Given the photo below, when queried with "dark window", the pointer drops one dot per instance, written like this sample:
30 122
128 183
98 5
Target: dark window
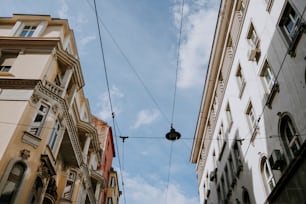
246 197
289 137
289 22
12 184
7 61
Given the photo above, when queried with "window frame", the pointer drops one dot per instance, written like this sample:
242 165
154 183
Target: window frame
286 19
251 116
70 182
54 137
268 76
7 61
229 117
240 80
6 175
28 30
267 174
287 124
36 126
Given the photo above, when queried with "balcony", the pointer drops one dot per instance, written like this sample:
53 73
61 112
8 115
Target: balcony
53 87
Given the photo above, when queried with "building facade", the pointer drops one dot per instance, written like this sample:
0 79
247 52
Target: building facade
110 194
49 149
250 139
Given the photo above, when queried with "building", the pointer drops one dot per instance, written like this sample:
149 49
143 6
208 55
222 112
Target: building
49 149
249 144
110 194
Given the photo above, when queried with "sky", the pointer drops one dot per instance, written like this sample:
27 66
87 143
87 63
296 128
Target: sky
140 42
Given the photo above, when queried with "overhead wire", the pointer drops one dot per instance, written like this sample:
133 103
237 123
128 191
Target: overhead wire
109 94
174 94
178 60
131 66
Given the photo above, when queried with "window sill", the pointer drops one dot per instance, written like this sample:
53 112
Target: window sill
6 74
31 139
268 98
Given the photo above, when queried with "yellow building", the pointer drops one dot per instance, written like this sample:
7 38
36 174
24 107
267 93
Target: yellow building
49 149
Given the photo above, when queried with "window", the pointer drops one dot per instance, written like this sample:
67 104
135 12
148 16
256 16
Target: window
268 76
241 6
245 196
7 61
289 22
109 200
28 31
229 117
54 135
240 79
253 37
289 137
220 138
112 182
269 5
13 183
39 119
237 158
68 190
251 117
267 174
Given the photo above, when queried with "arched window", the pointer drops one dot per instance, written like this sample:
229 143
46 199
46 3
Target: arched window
289 136
267 174
12 183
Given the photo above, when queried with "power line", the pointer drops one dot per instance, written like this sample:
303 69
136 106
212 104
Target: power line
178 61
132 67
109 95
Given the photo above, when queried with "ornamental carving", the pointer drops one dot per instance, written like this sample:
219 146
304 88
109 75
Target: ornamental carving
25 154
34 98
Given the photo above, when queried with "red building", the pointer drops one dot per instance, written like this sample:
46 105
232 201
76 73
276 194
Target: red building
105 137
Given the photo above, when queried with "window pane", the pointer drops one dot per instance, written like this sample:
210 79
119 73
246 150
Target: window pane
12 183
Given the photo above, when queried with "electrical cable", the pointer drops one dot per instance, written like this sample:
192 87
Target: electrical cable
109 95
178 61
132 67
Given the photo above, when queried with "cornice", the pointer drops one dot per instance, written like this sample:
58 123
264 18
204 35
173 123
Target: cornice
18 83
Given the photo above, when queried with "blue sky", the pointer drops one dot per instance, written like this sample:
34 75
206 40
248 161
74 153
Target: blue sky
147 32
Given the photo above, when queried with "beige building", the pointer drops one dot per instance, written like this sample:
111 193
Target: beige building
113 192
49 149
250 144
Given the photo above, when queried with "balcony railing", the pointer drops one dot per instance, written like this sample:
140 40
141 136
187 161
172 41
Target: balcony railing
53 87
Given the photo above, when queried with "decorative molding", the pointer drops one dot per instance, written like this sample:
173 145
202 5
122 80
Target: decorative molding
25 154
18 83
34 98
31 139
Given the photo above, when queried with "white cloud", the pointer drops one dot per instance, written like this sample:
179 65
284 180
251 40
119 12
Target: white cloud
198 28
84 41
104 105
146 117
139 191
63 10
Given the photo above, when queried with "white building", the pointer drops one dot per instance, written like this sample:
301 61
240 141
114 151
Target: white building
249 143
